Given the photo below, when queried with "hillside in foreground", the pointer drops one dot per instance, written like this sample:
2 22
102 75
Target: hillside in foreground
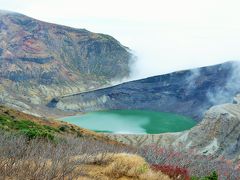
35 148
42 149
34 127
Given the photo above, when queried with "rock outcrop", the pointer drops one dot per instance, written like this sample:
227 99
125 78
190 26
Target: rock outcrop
188 93
39 60
218 133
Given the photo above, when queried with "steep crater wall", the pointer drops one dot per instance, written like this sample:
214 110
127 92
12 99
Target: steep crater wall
188 93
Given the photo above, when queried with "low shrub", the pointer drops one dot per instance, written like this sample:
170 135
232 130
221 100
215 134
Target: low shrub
28 128
63 128
37 133
173 172
196 164
212 176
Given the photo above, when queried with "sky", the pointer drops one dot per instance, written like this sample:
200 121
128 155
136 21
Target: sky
165 35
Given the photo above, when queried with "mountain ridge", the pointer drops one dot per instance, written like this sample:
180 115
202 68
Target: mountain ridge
198 89
42 60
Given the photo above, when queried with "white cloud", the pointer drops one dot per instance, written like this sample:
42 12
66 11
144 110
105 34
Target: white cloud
167 35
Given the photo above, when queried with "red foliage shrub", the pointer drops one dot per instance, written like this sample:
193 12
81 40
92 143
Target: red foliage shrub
198 165
172 171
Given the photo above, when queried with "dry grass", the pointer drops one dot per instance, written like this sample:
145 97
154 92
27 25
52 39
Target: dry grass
123 166
70 158
114 167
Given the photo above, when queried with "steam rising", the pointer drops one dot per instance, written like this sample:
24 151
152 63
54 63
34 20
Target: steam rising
232 87
224 94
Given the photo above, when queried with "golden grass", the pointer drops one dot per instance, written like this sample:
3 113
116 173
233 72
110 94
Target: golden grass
122 166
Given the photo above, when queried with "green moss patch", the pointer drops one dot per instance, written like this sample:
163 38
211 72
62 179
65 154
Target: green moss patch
29 128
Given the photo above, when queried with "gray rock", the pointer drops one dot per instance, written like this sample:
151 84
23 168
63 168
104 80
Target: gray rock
188 93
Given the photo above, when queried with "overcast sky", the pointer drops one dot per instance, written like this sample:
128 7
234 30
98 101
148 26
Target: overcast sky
166 35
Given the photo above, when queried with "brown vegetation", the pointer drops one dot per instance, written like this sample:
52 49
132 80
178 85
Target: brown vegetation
197 165
71 158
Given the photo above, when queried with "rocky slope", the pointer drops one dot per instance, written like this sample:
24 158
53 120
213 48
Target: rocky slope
39 60
188 93
217 134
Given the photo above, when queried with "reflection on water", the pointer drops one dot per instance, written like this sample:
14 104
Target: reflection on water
131 122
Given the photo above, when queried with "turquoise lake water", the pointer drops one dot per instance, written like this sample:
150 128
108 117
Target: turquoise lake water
132 122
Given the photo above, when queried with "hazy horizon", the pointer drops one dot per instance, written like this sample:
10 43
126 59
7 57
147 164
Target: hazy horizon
165 36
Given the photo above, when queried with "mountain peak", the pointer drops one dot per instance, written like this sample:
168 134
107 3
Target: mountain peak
40 60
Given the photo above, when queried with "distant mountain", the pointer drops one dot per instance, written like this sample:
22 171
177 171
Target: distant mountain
40 60
189 92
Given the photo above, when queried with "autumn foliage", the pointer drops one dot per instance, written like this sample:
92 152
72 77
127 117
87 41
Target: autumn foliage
173 162
173 172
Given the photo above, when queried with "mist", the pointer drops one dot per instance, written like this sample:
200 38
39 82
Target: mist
165 36
227 93
222 94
